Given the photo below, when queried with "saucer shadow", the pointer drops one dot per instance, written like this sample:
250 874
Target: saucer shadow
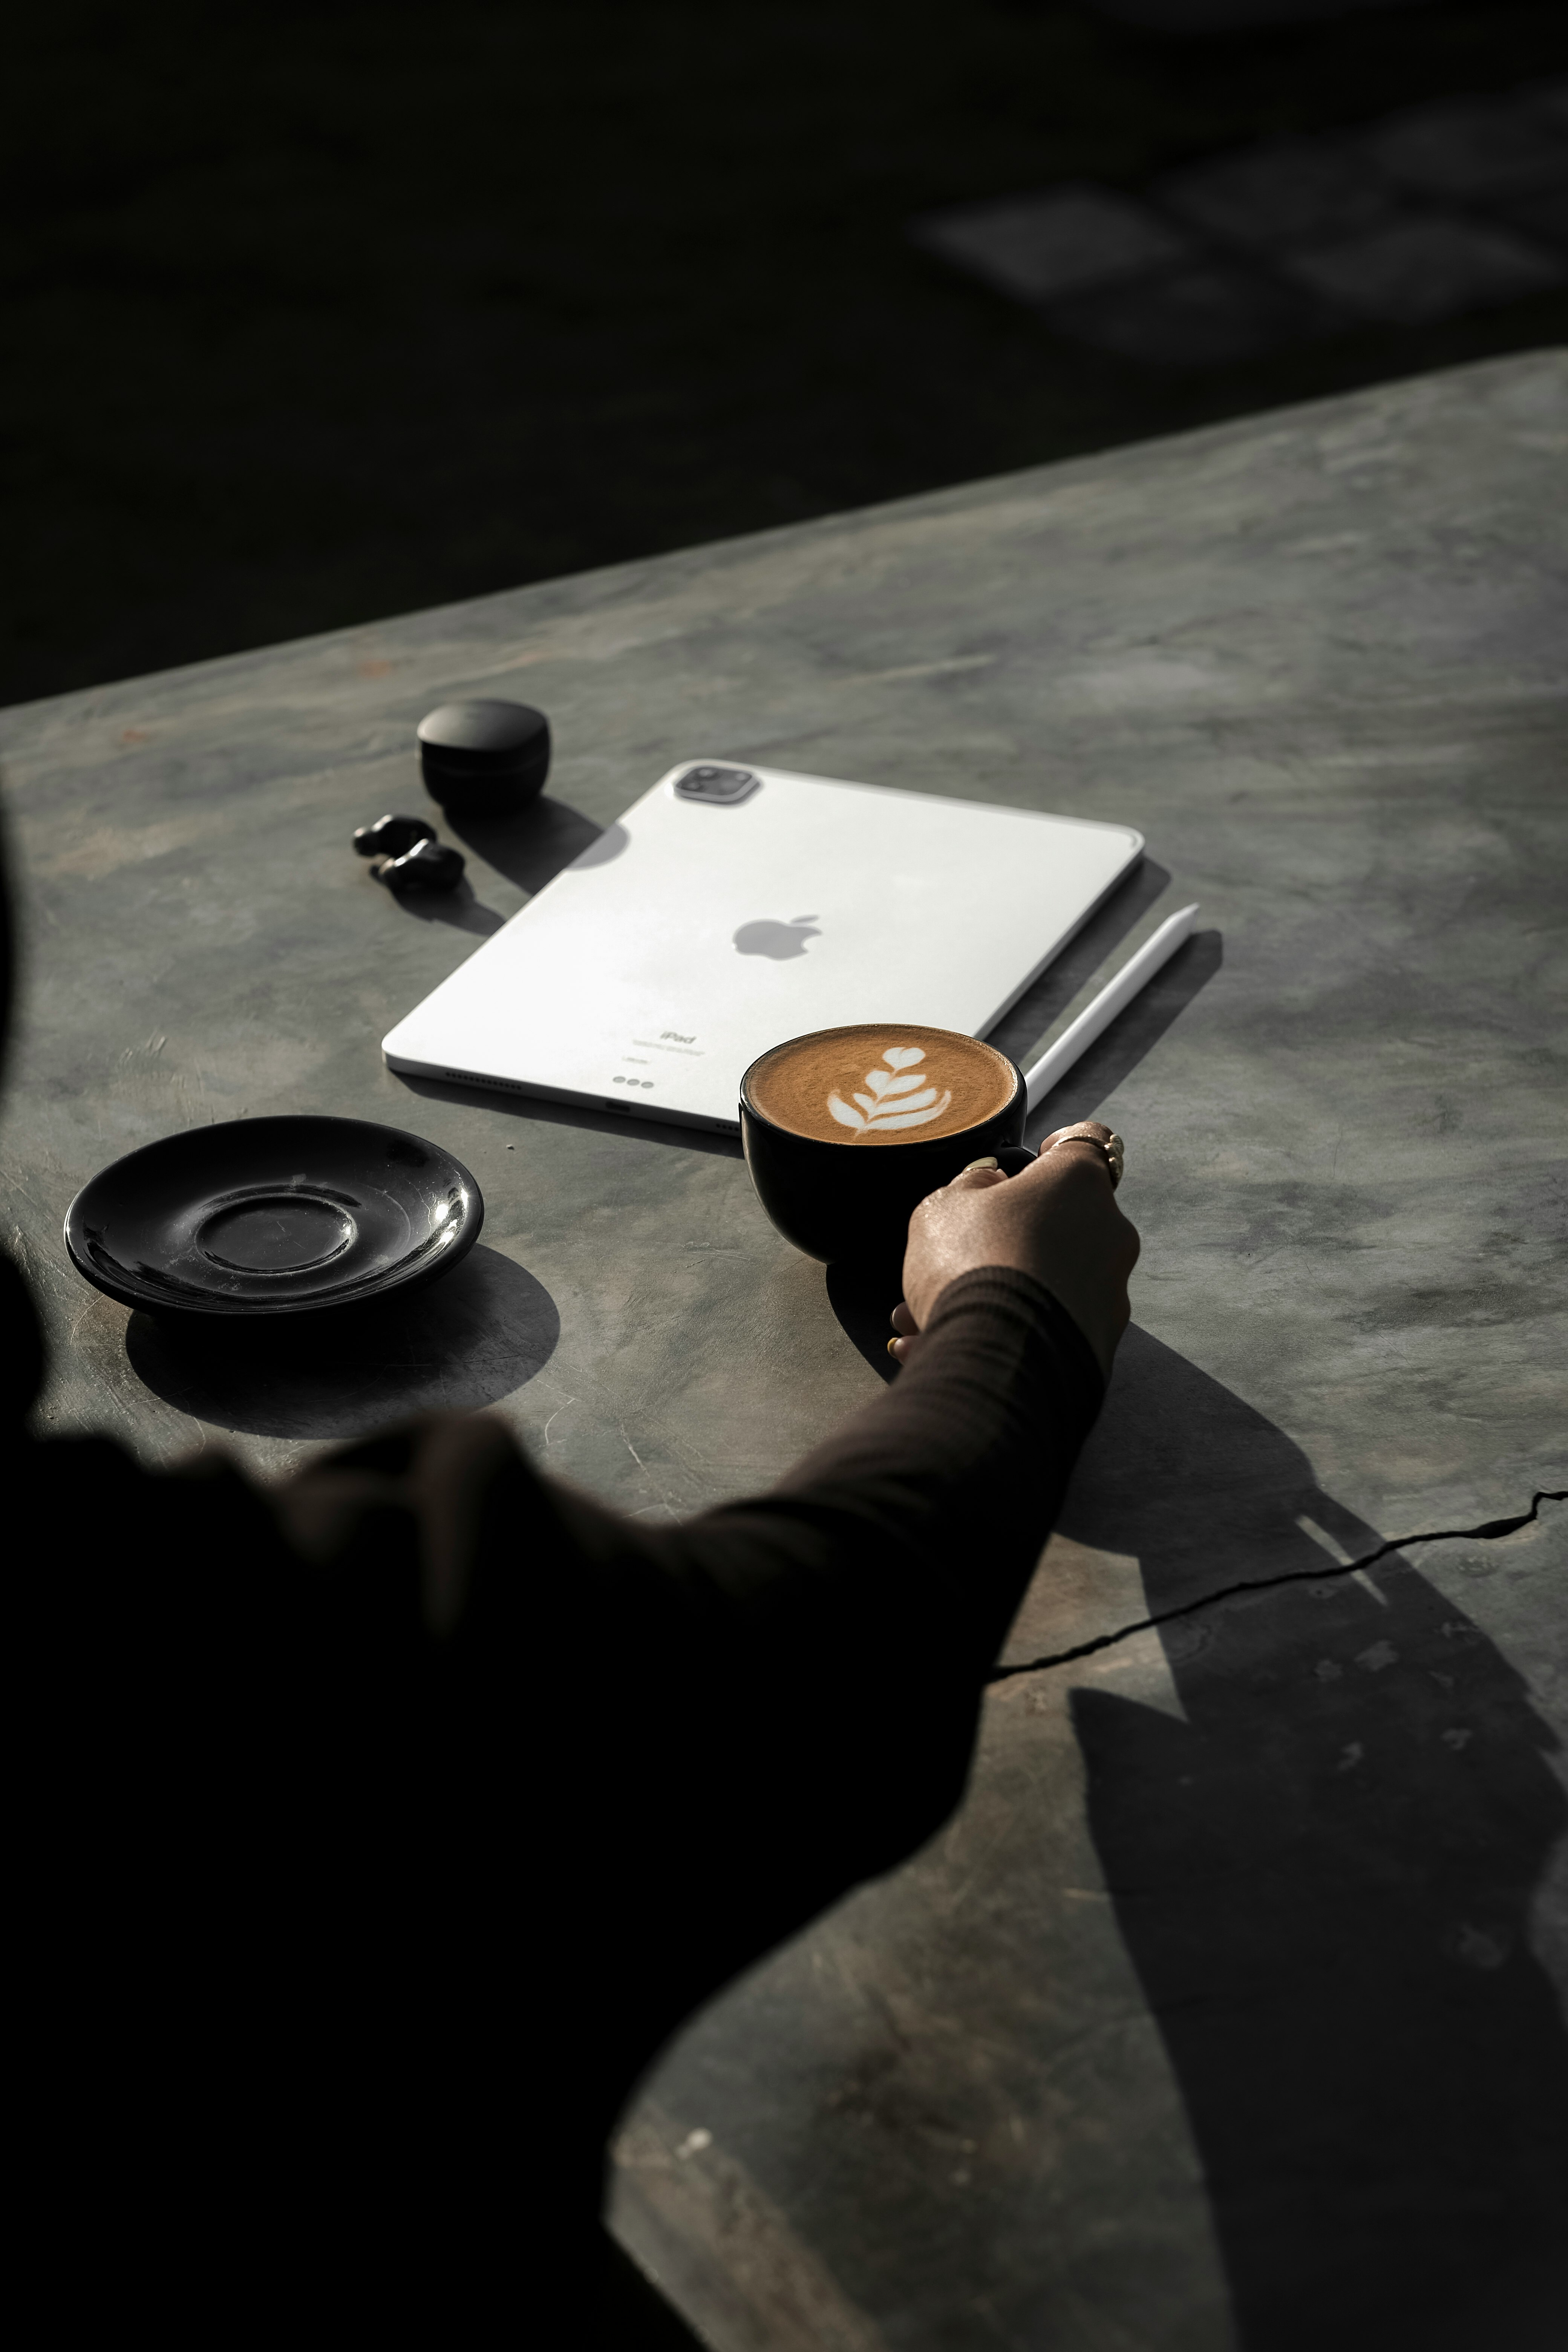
472 1338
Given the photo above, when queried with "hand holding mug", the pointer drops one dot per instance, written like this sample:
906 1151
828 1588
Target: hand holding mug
1056 1220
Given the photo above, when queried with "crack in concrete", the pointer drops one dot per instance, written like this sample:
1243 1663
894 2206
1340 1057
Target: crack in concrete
1488 1532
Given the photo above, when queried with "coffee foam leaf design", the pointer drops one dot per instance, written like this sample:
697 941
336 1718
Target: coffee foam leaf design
843 1113
904 1057
876 1104
911 1117
890 1105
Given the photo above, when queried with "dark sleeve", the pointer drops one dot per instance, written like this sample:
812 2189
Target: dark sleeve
952 1483
800 1674
427 1787
685 1741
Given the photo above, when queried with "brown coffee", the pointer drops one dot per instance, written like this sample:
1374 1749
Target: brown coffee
881 1083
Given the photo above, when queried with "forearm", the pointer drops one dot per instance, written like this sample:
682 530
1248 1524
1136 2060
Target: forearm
795 1696
730 1722
943 1490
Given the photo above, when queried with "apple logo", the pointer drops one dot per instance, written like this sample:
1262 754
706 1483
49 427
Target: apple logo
777 939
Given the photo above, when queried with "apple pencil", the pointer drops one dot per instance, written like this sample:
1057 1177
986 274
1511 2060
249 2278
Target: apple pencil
1157 950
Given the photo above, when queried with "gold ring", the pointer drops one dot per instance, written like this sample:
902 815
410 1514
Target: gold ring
1115 1151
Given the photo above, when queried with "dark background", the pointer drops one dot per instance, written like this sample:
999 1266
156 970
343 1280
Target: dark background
316 314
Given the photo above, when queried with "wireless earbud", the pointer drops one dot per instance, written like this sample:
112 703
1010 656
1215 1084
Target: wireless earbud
393 836
406 854
428 865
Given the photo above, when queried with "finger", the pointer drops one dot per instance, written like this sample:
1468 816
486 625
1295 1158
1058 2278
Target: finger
1077 1128
901 1351
1076 1151
976 1180
904 1323
1048 1168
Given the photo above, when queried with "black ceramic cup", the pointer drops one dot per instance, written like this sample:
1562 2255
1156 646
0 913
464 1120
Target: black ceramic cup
853 1201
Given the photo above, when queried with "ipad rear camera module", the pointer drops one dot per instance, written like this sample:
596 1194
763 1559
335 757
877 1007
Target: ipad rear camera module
720 787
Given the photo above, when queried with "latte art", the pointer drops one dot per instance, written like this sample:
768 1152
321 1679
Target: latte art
893 1100
893 1084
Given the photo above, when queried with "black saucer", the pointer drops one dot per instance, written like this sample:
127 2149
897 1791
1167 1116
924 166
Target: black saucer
273 1216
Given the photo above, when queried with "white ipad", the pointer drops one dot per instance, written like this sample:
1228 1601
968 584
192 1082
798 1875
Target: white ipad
733 906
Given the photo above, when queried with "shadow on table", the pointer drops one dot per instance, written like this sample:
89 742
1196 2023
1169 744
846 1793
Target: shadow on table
1323 1878
863 1298
1025 1023
1115 1054
460 907
554 1114
532 847
471 1338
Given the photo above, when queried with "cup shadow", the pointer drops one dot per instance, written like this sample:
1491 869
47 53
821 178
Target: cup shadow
470 1339
863 1298
1323 1876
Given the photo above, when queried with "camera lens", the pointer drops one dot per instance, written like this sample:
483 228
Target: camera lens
709 782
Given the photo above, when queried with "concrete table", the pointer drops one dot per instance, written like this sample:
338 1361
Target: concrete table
1228 2011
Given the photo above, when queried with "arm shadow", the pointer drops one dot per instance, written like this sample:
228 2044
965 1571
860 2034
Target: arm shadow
1324 1877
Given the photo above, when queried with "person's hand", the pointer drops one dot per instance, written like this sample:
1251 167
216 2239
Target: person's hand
1058 1220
